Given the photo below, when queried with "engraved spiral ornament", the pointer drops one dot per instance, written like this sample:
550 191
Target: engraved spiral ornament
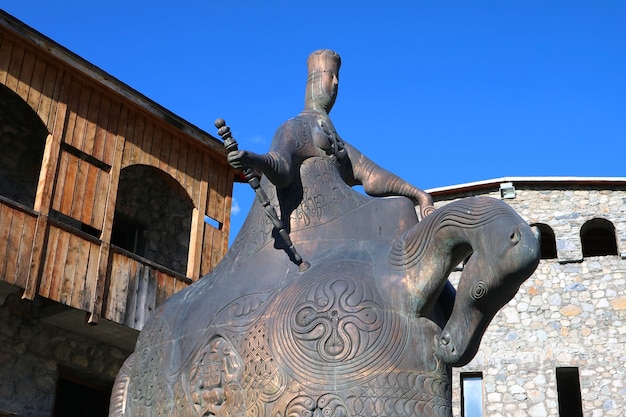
478 291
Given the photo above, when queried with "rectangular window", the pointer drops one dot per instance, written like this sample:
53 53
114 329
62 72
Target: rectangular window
568 389
472 394
212 222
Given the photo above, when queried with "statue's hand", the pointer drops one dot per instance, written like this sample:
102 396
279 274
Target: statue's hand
427 205
426 210
239 159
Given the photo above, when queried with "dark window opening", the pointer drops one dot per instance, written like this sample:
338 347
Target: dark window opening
75 224
22 142
547 241
76 398
153 215
568 390
129 234
598 238
472 394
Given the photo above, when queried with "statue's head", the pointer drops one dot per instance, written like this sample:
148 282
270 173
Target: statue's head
323 80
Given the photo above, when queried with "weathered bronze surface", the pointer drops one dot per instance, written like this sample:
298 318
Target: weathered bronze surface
371 325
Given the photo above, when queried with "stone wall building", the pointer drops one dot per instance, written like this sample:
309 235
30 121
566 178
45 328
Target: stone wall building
109 204
559 347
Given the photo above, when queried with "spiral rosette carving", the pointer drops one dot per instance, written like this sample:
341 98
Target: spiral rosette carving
478 291
333 327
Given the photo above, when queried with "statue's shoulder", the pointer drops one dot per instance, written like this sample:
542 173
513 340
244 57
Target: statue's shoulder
304 119
298 130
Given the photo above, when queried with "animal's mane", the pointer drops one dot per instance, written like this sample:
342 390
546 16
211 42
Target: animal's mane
467 213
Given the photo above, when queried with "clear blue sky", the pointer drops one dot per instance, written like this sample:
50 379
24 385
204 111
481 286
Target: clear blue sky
473 90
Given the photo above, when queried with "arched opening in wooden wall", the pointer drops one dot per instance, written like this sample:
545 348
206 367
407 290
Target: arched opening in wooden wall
153 216
22 141
598 238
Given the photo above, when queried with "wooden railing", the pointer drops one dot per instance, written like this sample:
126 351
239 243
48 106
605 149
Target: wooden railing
133 288
136 286
17 229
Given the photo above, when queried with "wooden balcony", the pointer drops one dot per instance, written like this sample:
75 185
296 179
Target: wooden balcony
131 289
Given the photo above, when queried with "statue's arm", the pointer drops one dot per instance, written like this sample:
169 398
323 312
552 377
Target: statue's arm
276 165
379 182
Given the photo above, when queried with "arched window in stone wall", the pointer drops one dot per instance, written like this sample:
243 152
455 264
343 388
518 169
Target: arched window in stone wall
153 217
548 241
598 238
22 141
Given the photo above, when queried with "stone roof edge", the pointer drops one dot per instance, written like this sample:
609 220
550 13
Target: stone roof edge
477 185
93 72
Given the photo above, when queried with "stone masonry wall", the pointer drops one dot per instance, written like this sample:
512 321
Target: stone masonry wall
570 313
31 353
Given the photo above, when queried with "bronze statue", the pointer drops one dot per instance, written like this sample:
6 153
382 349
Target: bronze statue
371 325
312 134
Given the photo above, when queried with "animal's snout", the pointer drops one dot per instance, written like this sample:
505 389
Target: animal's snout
445 340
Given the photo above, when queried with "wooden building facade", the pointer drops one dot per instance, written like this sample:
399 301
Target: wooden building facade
109 203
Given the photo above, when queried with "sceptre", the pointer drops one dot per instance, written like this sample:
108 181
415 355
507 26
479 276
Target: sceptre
231 145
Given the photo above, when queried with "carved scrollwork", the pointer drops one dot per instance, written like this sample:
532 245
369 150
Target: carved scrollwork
120 389
327 405
146 374
322 199
214 380
301 135
261 373
402 394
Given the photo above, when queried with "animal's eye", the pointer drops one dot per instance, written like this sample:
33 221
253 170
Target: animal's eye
515 236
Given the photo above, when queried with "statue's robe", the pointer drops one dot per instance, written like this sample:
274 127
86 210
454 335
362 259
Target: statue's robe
258 337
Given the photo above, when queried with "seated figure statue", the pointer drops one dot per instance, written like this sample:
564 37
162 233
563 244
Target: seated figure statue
370 327
312 134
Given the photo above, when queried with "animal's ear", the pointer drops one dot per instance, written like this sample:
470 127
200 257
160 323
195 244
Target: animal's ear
537 232
516 236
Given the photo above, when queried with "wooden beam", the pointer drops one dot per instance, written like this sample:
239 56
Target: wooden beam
104 257
43 198
196 238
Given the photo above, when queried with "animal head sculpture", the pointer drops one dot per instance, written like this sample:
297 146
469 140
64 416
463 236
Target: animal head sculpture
501 252
504 255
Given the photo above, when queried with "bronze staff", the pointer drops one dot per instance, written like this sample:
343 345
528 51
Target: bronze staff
231 145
